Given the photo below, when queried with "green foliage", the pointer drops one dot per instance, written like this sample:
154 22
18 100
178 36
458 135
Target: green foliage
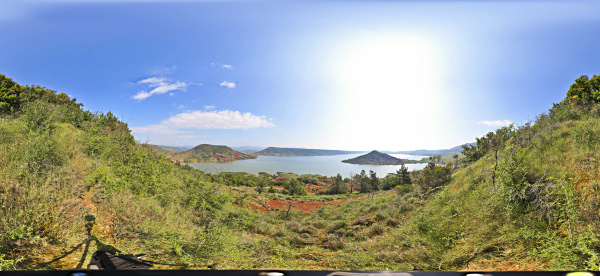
6 264
432 177
363 182
373 181
294 187
338 187
401 178
513 183
585 135
9 95
585 88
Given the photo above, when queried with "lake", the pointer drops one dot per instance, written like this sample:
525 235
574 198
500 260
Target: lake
323 165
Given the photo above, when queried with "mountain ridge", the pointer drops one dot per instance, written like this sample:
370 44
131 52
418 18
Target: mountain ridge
203 153
277 151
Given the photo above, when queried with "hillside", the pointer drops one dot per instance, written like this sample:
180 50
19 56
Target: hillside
275 151
375 158
209 154
521 198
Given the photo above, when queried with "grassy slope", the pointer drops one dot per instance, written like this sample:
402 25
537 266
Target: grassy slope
52 177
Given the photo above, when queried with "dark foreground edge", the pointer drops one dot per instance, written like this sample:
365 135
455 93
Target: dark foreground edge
285 273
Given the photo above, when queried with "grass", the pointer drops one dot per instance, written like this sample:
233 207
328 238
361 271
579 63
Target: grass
55 174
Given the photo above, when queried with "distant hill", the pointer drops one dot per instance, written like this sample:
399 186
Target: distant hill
275 151
204 153
248 149
456 149
375 158
173 149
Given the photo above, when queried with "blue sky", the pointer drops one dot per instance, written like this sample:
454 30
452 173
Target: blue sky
353 75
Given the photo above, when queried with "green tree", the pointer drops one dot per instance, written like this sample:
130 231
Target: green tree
403 175
338 187
294 187
260 185
373 181
363 182
9 95
432 177
585 89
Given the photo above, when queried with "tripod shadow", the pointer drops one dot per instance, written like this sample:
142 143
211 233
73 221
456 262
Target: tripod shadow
90 221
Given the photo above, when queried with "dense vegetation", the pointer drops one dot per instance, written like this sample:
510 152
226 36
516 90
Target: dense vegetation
522 198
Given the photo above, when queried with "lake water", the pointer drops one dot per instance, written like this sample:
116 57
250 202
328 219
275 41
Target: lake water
323 165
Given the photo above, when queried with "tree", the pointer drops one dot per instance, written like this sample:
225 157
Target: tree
432 177
338 187
374 181
363 182
9 95
260 185
585 89
294 187
403 175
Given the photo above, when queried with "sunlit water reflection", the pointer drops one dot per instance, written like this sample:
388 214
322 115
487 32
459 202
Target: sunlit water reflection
322 165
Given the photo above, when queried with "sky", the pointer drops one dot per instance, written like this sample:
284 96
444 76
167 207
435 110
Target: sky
346 75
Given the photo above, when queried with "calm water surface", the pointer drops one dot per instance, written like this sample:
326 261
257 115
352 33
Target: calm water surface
323 165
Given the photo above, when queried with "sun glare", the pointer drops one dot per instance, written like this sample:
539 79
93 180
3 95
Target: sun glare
385 77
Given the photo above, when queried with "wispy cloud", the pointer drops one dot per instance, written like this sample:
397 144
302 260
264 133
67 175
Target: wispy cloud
199 119
160 85
229 85
222 65
495 123
209 107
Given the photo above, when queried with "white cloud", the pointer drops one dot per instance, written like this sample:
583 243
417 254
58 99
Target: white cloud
227 66
223 119
209 107
495 123
160 85
141 95
227 84
153 80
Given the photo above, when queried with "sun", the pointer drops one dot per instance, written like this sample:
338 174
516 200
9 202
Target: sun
383 77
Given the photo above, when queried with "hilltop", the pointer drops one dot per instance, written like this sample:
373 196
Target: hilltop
275 151
204 153
375 158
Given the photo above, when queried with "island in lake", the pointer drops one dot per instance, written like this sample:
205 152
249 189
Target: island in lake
377 158
204 153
